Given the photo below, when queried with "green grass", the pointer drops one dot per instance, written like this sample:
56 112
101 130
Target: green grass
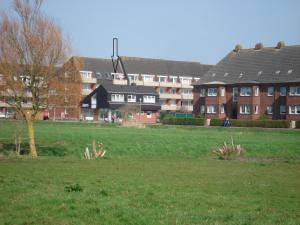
156 175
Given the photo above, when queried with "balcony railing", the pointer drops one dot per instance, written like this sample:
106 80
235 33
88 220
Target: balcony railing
89 80
170 107
183 85
169 96
120 82
169 84
187 96
188 108
151 83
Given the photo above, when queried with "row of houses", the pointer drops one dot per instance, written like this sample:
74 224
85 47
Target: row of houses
245 84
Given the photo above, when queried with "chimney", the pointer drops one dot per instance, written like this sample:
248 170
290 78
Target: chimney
237 48
259 46
280 45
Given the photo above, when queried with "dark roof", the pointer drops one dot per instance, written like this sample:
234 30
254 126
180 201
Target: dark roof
134 65
134 89
267 65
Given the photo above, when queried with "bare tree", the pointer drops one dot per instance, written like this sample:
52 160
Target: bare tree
31 49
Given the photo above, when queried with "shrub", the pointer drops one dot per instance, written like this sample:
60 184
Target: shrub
260 123
184 121
216 122
229 151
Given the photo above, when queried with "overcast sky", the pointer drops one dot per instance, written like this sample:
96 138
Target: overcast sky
191 30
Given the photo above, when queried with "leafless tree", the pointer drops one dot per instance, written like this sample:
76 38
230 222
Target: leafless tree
32 47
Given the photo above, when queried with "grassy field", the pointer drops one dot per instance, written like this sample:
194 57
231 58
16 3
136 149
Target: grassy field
156 175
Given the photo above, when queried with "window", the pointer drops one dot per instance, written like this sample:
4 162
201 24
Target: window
149 114
202 109
161 90
147 77
282 109
202 92
282 91
269 110
86 87
245 109
162 79
117 98
173 79
211 109
256 109
94 101
162 102
295 109
245 91
256 91
235 92
222 109
186 103
270 91
149 99
295 91
186 91
173 91
132 77
131 98
85 74
212 92
186 80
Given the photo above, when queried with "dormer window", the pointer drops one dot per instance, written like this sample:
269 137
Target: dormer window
131 98
245 91
226 74
259 73
213 75
149 99
277 72
212 92
290 71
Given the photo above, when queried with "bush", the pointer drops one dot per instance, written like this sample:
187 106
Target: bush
260 123
229 151
216 122
298 124
184 121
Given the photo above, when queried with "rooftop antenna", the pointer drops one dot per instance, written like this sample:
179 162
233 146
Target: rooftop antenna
117 60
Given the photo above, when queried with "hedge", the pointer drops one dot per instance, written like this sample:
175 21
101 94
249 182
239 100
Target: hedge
184 121
216 122
298 124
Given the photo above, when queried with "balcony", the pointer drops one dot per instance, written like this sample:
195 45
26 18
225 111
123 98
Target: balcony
86 91
137 82
120 82
169 84
89 80
151 83
188 108
186 85
170 107
187 96
169 96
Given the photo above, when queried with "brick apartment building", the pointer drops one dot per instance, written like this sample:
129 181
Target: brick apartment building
251 83
172 80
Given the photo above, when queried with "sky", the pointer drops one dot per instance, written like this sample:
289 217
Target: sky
188 30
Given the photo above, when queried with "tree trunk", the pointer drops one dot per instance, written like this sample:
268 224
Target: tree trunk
32 149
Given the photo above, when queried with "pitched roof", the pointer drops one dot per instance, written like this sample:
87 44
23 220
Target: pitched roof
267 65
134 65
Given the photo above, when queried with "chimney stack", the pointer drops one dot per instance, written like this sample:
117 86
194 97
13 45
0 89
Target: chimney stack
259 46
280 45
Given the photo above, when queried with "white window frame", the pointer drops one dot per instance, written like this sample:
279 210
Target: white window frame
148 78
294 110
256 91
211 109
212 92
162 79
149 99
85 74
186 91
295 91
222 109
186 80
131 98
173 79
117 97
270 91
202 108
245 91
282 91
269 110
86 87
282 109
133 77
256 109
245 109
235 93
202 92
